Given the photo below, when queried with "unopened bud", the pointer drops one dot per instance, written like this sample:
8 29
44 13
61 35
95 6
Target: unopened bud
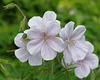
22 25
9 6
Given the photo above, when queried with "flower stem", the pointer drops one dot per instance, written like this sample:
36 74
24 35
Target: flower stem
52 66
22 23
68 74
7 74
10 50
15 70
41 75
19 9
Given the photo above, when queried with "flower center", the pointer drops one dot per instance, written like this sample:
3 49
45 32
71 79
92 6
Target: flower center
71 42
80 62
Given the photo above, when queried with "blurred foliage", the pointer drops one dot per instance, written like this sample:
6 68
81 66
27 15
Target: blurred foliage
82 12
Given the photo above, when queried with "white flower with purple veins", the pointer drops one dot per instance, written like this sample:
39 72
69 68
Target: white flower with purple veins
22 53
90 61
76 48
43 36
82 67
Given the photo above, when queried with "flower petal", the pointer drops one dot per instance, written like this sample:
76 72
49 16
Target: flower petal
67 56
22 54
90 47
35 33
82 71
26 31
18 40
35 22
69 29
78 51
91 60
63 34
34 46
49 15
78 32
52 28
56 43
35 60
83 38
47 52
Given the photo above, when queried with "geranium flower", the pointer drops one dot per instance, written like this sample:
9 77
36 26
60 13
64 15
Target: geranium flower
41 22
90 61
76 48
82 67
44 40
22 53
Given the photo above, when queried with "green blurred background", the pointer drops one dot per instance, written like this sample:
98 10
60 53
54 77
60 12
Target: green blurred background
82 12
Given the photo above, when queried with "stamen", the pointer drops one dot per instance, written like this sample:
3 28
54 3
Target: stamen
43 28
71 42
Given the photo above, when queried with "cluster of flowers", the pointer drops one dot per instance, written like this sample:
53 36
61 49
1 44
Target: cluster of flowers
41 42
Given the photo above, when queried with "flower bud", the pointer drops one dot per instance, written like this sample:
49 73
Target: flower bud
22 25
9 6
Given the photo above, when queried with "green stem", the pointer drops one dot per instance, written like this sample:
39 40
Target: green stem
20 10
11 50
22 24
15 70
58 59
68 74
52 65
41 75
7 74
27 77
